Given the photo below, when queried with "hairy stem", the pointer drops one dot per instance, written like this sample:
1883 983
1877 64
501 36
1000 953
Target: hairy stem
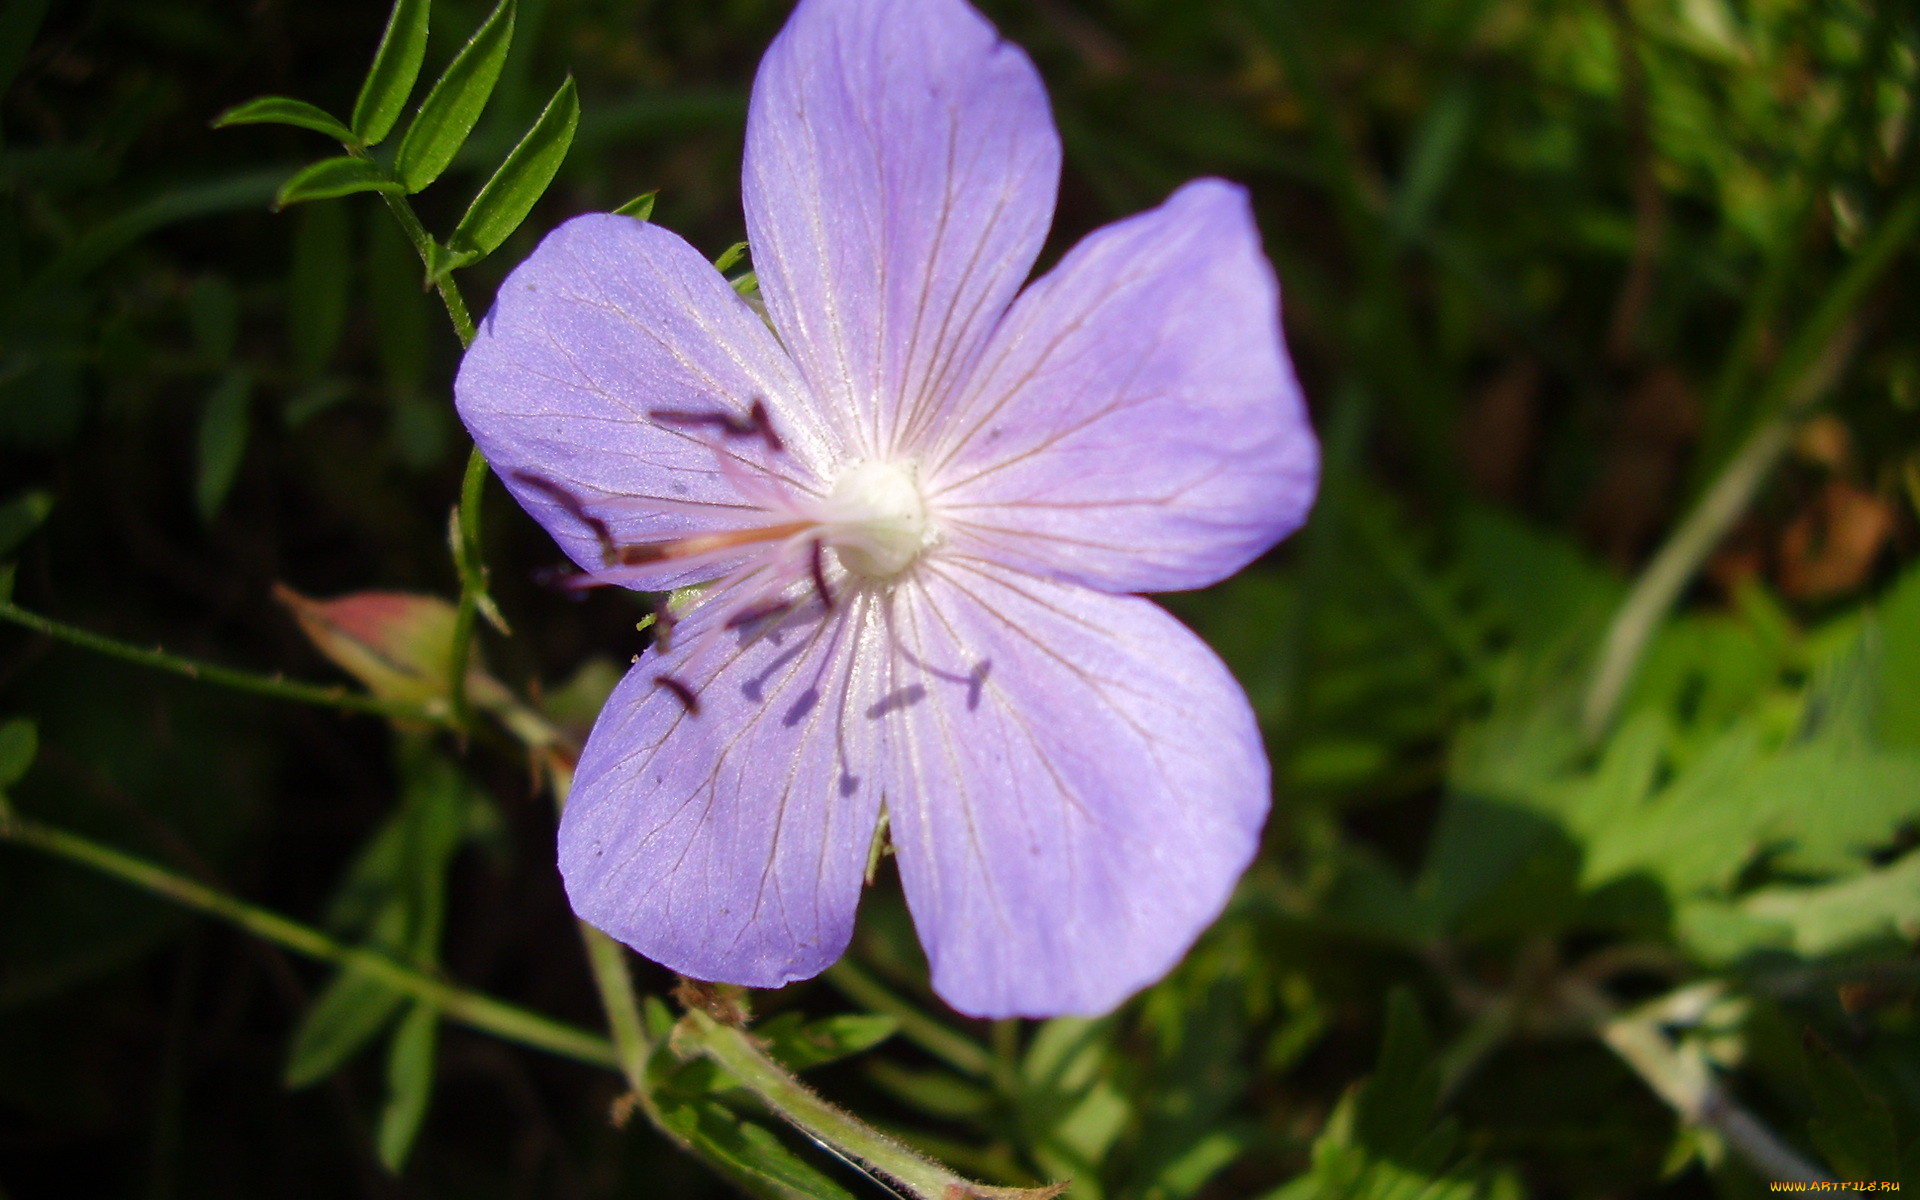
925 1179
1809 366
1681 1076
265 685
469 1008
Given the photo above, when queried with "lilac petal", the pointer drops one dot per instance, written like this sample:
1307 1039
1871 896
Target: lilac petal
730 843
1081 786
901 167
1135 424
609 321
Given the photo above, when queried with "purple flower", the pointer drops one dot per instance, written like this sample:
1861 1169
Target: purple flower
923 505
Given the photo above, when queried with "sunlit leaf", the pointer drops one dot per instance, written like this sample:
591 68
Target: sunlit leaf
285 110
640 208
748 1154
396 64
799 1043
453 107
332 177
224 421
507 198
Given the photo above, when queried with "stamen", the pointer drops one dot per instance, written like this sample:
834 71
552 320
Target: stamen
816 562
681 692
635 554
664 623
757 422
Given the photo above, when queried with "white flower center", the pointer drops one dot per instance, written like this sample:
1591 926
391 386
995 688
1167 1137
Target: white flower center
877 519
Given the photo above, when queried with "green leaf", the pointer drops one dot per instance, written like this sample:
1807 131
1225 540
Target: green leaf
1854 1129
349 1014
317 286
285 110
640 208
22 515
728 257
510 195
396 64
453 107
409 1083
748 1154
223 441
332 177
800 1044
19 742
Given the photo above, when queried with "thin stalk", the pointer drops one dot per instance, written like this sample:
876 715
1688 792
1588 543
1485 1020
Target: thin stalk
473 581
466 530
1809 366
265 685
1682 1077
806 1111
469 1008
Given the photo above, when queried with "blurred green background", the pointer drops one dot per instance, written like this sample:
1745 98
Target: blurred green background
1568 282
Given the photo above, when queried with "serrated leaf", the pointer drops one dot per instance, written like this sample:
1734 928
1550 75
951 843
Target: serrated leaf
349 1014
396 64
1854 1130
453 107
317 286
285 110
20 516
510 195
640 208
332 177
19 742
800 1044
748 1154
410 1060
222 441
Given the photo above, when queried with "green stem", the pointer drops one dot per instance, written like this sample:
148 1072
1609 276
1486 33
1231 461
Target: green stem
1808 367
285 689
1681 1076
806 1111
469 1008
473 581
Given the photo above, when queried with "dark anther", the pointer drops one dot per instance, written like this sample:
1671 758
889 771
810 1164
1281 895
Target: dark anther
609 552
758 612
681 692
664 623
757 422
817 562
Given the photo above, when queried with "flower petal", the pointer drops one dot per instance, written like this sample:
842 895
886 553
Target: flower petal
1075 796
729 843
1135 424
901 167
609 321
